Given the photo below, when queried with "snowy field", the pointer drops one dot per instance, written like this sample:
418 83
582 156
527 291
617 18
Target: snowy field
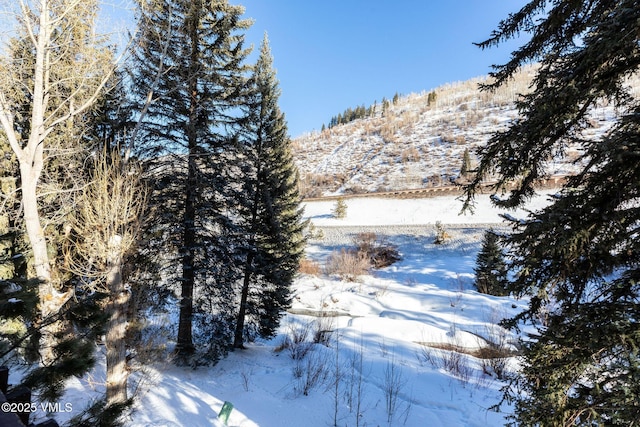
384 354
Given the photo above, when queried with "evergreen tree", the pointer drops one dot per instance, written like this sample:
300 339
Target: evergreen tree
582 252
340 208
431 98
272 217
491 268
189 57
465 168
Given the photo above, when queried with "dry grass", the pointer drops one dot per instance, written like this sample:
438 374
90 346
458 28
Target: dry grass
309 267
347 264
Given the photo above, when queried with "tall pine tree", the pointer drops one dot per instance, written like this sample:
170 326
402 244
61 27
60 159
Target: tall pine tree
582 252
189 61
272 217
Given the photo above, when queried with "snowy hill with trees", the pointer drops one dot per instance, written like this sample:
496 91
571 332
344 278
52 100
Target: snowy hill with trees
419 140
159 267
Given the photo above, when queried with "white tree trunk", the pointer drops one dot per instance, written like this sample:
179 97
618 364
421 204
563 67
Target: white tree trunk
39 19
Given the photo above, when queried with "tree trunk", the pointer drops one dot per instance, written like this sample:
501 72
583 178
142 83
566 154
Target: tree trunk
117 372
184 345
238 341
50 300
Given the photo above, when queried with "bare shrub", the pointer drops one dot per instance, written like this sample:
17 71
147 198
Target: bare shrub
442 236
309 267
394 381
347 264
313 185
379 252
457 364
296 341
460 140
356 385
495 356
324 326
410 154
495 359
245 375
310 373
450 357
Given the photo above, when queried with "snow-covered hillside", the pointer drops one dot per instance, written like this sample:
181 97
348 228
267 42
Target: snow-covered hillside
417 144
403 342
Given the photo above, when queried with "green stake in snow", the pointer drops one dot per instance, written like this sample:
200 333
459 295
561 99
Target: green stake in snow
225 412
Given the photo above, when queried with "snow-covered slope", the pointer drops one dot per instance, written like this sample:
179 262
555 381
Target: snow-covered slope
386 337
416 144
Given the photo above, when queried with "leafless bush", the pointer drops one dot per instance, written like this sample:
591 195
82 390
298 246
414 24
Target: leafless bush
355 391
379 252
394 381
323 330
495 360
313 185
450 357
457 364
347 264
410 154
246 375
309 267
296 341
496 351
310 373
442 236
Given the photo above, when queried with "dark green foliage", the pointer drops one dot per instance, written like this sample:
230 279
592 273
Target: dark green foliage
73 357
431 98
350 115
579 258
98 414
272 216
83 322
491 269
191 133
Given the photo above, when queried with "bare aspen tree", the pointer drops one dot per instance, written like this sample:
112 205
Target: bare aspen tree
60 77
106 228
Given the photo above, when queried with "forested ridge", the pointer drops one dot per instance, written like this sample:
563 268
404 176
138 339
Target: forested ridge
161 177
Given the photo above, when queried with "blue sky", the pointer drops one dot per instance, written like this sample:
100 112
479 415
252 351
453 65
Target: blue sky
335 54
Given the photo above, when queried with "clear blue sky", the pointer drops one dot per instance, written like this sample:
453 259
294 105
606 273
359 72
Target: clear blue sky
335 54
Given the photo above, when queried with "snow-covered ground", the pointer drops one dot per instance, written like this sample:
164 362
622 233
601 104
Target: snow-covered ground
383 336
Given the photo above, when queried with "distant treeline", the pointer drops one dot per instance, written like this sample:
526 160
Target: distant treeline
361 112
